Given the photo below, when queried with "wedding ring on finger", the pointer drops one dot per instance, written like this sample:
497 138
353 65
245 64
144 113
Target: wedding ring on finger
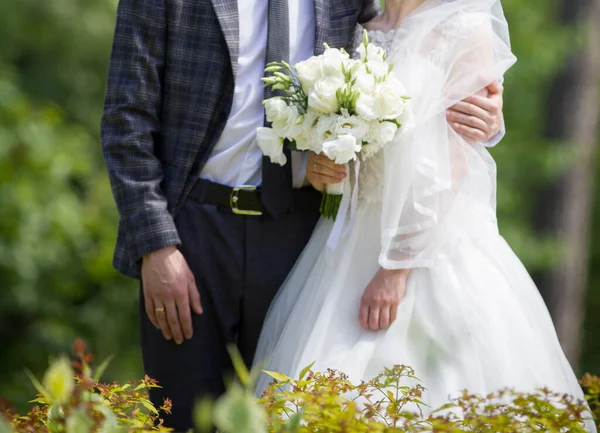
315 168
159 310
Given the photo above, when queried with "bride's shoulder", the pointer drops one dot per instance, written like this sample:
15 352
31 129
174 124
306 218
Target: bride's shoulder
454 28
460 22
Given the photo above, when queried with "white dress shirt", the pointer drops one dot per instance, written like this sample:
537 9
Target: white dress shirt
236 158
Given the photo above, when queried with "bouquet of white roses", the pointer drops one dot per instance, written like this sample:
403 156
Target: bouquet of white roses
334 105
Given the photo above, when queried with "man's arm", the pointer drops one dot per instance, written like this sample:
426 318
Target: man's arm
369 10
131 125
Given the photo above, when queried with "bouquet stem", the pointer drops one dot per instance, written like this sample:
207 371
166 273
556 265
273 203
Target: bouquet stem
331 200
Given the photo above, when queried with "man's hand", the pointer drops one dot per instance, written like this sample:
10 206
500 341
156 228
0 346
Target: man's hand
321 171
170 293
479 117
379 303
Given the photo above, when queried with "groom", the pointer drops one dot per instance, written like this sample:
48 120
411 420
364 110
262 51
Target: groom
182 106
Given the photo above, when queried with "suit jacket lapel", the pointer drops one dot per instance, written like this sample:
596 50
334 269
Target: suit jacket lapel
227 14
321 24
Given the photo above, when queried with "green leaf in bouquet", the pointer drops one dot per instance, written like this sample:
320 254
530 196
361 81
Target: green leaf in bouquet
365 38
283 77
271 69
269 81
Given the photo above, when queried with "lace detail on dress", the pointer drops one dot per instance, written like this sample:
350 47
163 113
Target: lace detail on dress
371 178
383 39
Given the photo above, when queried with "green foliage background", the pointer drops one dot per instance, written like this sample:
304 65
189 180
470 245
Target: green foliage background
58 220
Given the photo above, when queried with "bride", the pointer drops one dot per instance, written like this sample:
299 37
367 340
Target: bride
422 277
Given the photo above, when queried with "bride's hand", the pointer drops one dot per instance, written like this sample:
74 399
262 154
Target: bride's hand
321 171
379 303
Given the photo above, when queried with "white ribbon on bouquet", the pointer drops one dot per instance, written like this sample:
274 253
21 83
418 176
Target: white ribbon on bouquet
349 204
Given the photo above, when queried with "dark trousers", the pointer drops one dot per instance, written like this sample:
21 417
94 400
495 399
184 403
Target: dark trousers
239 263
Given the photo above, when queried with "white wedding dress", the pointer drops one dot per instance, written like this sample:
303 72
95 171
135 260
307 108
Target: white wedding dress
472 317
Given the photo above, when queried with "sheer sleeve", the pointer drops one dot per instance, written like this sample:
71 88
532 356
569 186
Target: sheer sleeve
432 172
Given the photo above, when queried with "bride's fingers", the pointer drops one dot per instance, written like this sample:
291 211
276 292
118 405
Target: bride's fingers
393 314
363 316
384 318
374 313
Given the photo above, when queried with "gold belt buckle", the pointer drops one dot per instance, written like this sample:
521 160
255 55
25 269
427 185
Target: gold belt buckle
234 198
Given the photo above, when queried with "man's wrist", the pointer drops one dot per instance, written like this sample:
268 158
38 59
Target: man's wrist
160 252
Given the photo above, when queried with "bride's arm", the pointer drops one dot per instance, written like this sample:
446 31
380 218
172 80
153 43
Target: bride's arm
427 170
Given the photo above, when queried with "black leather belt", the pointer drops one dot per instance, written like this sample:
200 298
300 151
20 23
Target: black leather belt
242 200
245 200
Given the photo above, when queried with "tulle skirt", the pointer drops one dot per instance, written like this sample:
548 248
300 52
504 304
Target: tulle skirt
475 320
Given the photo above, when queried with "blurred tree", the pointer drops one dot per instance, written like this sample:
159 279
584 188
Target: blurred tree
565 206
57 218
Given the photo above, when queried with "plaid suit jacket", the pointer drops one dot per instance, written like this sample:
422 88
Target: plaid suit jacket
169 94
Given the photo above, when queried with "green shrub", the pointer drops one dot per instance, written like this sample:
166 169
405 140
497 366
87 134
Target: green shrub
71 399
391 402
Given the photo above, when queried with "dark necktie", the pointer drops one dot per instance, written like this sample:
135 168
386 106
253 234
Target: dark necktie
276 191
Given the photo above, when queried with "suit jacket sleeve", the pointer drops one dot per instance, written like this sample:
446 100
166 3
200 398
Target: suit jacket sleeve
370 9
131 126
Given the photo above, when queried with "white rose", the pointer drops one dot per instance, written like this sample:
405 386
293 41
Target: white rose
365 106
271 145
353 125
274 108
364 82
289 123
342 150
378 68
333 61
323 97
371 53
382 133
309 71
389 101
